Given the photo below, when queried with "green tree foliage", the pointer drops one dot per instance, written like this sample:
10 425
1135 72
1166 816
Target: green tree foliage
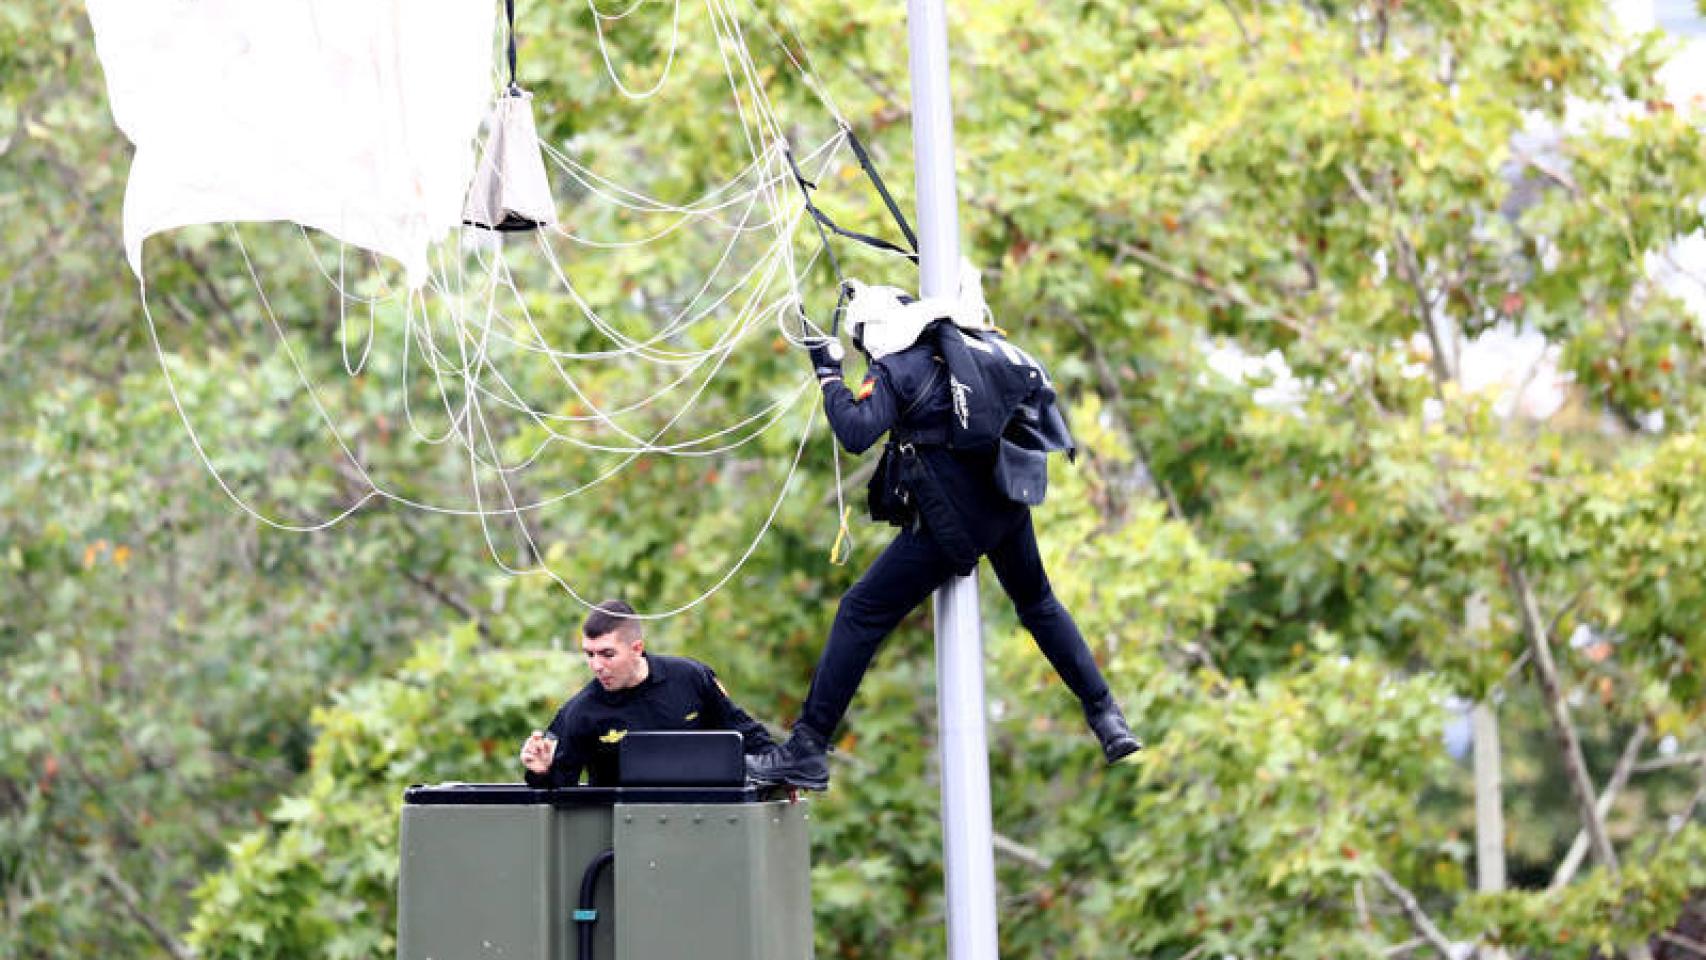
1291 595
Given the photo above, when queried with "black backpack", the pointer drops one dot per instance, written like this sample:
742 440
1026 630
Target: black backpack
1002 396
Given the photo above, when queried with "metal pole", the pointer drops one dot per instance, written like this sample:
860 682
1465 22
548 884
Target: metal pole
968 841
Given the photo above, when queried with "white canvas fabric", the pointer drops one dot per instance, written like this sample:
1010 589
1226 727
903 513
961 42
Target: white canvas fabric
354 117
885 325
880 322
511 190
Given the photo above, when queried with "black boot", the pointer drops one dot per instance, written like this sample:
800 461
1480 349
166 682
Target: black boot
1109 725
801 762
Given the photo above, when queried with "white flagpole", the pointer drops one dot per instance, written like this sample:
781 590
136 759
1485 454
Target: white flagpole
968 848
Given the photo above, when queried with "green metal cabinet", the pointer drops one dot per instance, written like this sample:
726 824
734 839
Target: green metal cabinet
493 872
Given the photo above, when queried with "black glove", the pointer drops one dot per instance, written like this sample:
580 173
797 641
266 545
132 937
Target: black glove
826 357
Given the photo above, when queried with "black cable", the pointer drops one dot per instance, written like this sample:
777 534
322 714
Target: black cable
822 222
877 181
818 218
509 16
586 915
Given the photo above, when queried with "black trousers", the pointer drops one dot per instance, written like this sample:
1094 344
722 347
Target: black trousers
907 572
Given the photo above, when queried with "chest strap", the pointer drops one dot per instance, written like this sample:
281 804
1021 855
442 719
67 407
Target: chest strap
925 437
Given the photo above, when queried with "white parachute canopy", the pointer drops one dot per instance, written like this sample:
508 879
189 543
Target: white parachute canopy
354 117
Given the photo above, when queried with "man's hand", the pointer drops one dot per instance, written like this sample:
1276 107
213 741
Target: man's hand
537 752
826 357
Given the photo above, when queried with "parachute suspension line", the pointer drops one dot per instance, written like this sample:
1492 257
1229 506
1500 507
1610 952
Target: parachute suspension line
627 198
637 4
722 350
823 221
739 563
284 344
688 447
841 549
201 450
483 513
818 221
644 348
781 222
807 74
795 274
343 324
730 41
673 447
338 283
470 383
737 329
428 353
678 449
598 20
683 215
374 489
681 448
706 206
462 427
439 363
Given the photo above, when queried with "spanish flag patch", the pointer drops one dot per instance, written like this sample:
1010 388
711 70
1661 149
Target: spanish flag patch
865 388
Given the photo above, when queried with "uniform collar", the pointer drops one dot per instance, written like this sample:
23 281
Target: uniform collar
655 672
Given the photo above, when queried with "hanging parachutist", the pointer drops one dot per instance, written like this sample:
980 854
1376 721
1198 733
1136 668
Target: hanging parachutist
970 420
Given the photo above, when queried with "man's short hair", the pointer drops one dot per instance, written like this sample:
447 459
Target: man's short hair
611 615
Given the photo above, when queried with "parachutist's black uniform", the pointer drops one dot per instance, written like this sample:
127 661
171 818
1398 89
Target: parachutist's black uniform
909 398
954 506
677 694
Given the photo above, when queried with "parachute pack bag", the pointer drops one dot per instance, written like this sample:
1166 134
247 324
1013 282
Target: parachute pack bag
936 509
510 191
1002 396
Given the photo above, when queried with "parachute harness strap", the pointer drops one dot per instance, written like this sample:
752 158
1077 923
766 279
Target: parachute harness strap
509 20
823 223
882 189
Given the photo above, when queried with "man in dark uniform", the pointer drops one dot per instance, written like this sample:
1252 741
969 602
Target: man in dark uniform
952 512
630 690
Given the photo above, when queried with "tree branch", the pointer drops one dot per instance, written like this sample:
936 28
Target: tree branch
1619 779
1028 856
1665 763
1237 20
1110 390
1410 267
894 105
1581 785
1686 943
133 905
450 599
1694 803
1208 286
1417 916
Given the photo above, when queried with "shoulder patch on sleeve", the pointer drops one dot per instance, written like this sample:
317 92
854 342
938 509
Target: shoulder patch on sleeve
864 391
